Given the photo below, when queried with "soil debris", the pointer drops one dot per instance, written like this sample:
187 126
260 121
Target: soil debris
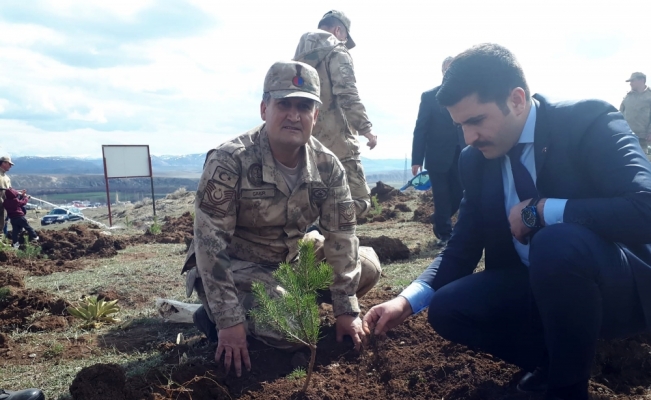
387 249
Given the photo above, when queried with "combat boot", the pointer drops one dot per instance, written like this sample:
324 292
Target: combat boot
26 394
204 324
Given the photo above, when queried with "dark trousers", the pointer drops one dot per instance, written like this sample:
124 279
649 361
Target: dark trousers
447 193
577 289
17 226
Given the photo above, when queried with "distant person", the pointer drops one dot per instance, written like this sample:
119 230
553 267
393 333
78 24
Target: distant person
5 183
14 204
342 116
436 139
636 108
557 199
256 197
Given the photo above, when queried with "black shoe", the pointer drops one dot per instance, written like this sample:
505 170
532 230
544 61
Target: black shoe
204 324
534 382
26 394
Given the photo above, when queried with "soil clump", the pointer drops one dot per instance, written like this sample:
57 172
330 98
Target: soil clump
387 249
19 305
173 230
100 382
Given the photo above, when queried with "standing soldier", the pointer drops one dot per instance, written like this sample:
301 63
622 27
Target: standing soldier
636 108
257 196
342 112
5 183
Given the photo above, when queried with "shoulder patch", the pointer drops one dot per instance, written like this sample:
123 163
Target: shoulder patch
217 199
226 177
346 211
319 194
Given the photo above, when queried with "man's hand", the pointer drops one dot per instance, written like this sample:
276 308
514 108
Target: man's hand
415 169
372 140
232 342
351 326
383 317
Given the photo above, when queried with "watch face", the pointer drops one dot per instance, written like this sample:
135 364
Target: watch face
528 217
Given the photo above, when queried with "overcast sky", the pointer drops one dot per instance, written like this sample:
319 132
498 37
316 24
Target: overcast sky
184 76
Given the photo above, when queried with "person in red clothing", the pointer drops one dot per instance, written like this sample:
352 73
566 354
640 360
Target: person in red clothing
13 204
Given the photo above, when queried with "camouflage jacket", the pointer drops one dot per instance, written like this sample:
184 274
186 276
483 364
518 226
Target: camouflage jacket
636 108
342 112
244 210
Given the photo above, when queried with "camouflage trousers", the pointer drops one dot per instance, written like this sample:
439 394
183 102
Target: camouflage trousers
245 272
359 190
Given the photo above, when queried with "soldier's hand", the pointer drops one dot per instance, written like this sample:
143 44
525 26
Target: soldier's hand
372 140
383 317
351 326
415 169
232 342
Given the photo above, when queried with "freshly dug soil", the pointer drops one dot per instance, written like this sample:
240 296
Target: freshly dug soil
17 308
78 241
413 362
99 382
387 249
11 278
173 230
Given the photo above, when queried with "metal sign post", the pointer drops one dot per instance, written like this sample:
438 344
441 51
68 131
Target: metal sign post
127 161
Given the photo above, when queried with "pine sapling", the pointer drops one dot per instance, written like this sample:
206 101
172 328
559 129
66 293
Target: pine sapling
295 314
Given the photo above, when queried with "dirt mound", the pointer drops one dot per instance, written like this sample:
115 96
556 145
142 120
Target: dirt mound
19 305
412 363
387 194
99 382
402 207
173 230
423 213
78 241
387 249
11 278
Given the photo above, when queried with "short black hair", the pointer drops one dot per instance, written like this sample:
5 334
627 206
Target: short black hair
330 22
488 69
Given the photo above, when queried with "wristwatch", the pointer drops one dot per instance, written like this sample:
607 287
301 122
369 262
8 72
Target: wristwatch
530 216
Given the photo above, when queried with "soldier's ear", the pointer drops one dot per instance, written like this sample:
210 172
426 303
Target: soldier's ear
263 110
316 115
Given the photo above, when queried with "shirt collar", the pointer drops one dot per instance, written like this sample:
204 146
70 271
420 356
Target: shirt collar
527 135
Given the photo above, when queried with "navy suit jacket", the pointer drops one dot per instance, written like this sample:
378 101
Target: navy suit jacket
435 135
585 152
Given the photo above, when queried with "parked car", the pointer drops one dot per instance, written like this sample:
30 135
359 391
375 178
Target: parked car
60 215
30 206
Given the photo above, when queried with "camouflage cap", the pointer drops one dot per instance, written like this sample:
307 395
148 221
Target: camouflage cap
636 75
350 43
7 159
292 79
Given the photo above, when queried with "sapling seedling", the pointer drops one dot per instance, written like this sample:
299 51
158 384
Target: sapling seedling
295 314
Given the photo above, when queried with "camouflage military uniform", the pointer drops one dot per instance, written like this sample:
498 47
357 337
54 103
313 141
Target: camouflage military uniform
247 222
636 108
5 183
342 112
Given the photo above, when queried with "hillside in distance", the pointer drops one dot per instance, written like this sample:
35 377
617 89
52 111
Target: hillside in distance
185 166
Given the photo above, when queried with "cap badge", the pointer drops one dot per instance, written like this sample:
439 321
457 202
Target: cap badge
298 80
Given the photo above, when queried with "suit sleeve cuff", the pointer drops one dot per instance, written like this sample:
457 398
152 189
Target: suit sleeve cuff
553 211
419 295
342 304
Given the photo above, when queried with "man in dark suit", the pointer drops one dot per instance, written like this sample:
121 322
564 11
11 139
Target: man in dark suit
558 198
436 139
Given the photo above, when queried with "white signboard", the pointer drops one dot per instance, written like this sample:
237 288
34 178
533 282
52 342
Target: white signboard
126 161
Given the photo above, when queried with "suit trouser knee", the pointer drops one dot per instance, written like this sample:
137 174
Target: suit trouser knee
359 190
581 284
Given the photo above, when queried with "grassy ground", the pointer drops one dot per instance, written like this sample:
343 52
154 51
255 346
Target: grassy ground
137 276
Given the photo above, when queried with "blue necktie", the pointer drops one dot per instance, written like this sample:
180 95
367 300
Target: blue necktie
524 185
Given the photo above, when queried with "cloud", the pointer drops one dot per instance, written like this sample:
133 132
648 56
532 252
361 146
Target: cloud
184 76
